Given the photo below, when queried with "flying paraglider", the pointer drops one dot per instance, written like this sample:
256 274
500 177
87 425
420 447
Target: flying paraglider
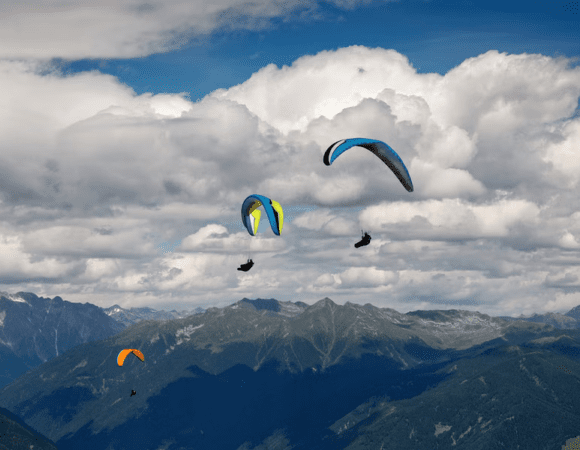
247 266
379 148
251 214
366 240
123 354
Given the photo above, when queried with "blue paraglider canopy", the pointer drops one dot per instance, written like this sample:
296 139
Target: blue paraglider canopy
379 148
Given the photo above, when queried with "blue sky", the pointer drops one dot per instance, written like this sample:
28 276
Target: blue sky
131 133
435 36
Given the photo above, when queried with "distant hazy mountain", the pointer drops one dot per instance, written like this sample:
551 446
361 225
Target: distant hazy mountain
16 435
134 315
562 321
275 307
34 329
268 374
574 313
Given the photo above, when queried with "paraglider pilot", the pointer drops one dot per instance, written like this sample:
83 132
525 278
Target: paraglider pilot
366 240
247 266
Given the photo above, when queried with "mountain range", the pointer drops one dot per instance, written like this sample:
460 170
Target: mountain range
569 320
34 329
130 316
263 374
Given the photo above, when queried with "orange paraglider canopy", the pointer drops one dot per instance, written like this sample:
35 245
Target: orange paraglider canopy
123 354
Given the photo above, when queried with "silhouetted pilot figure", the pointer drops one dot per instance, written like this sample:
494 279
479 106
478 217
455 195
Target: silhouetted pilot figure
132 393
247 266
366 240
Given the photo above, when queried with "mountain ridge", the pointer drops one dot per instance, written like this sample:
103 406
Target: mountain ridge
323 340
288 354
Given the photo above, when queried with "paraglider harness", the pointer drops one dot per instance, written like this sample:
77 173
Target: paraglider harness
247 266
366 240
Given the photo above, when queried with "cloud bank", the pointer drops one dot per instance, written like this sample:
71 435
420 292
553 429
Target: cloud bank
111 197
107 29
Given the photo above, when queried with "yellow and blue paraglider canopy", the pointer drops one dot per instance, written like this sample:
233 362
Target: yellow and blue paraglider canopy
251 214
379 148
123 354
